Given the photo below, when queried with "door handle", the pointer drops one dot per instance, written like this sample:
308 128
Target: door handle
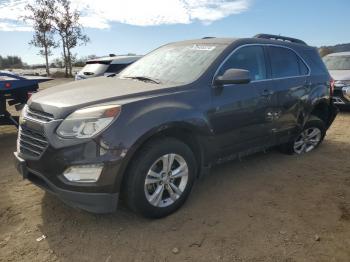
267 92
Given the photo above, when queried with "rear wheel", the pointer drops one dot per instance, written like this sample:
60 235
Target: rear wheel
308 139
161 177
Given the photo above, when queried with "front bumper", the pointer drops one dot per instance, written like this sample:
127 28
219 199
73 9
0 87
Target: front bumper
95 202
43 157
341 96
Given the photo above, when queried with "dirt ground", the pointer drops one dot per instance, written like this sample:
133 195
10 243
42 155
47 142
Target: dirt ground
267 207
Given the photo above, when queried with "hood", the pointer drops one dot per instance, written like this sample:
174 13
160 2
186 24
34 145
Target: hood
340 75
68 97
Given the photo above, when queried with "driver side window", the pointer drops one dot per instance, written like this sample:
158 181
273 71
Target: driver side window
249 58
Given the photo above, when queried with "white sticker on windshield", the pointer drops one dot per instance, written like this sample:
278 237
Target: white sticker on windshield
203 47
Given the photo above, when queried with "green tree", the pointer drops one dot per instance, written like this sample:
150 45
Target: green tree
11 62
70 31
41 16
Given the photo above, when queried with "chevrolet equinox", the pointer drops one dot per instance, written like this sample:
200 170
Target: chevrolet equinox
146 134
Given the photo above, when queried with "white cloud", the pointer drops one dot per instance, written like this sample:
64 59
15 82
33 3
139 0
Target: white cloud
101 13
4 26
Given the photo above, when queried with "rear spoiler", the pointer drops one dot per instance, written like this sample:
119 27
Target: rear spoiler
99 62
280 38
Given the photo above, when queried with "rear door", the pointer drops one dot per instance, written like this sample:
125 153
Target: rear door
290 86
238 111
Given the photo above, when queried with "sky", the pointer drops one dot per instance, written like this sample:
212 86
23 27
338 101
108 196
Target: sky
139 26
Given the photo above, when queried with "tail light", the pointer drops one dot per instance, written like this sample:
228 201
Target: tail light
331 87
29 94
7 85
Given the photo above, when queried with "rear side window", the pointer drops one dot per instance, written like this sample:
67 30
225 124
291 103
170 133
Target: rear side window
285 63
315 62
250 58
116 68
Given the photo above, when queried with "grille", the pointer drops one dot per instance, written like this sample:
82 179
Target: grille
39 115
31 143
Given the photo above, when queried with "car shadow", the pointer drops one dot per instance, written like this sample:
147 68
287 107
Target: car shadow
7 210
233 197
239 201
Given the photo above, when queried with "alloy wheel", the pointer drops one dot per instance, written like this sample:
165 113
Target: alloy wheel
307 140
166 180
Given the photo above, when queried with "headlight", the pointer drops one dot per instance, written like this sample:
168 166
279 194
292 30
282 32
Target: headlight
346 92
88 122
23 114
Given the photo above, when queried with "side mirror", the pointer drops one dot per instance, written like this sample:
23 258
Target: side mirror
233 76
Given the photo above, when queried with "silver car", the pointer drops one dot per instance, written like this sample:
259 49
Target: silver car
105 66
338 65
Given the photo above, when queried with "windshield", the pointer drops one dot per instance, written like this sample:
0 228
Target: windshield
175 64
337 62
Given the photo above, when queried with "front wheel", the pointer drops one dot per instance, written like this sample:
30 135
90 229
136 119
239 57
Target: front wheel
308 139
161 177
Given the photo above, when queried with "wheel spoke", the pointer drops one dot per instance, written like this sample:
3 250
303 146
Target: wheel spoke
309 148
179 172
314 133
150 180
176 189
152 177
313 142
298 144
303 148
156 197
171 161
165 160
168 161
172 194
153 174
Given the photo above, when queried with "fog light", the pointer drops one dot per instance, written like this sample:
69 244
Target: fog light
83 173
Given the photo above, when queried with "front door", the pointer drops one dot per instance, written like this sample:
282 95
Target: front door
238 111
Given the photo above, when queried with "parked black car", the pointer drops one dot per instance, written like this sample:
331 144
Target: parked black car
146 134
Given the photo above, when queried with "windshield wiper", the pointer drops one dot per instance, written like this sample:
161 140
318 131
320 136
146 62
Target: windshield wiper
144 78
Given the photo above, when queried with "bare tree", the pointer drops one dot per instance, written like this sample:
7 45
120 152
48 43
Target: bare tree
40 15
70 31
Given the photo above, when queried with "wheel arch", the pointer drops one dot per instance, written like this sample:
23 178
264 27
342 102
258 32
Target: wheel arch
322 111
181 131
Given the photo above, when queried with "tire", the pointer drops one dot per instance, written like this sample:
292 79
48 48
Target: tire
305 140
150 166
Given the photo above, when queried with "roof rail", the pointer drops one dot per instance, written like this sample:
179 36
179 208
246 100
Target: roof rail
281 38
208 37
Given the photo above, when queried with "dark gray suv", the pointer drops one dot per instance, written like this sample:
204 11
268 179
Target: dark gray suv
146 134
